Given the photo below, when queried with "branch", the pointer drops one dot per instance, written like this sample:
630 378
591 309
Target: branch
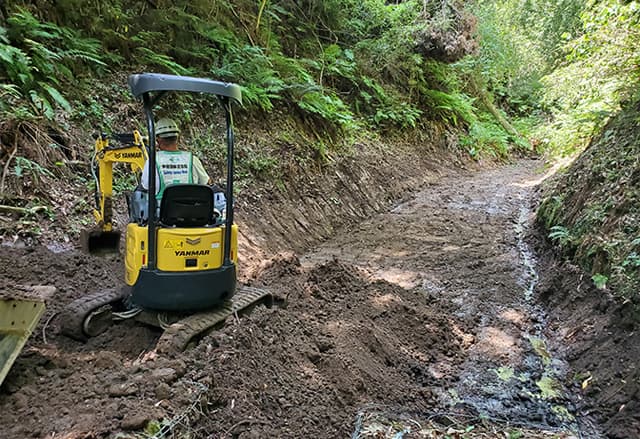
483 94
22 210
6 165
262 5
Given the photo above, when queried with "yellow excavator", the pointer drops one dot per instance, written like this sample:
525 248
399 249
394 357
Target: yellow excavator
180 253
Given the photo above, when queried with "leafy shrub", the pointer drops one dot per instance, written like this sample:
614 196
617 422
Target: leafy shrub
454 108
486 137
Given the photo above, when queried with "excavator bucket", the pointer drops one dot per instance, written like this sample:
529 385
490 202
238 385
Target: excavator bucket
20 312
99 242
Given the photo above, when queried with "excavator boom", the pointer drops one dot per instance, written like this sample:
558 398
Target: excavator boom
125 148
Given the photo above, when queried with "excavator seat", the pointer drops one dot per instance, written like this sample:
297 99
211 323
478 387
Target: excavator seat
187 205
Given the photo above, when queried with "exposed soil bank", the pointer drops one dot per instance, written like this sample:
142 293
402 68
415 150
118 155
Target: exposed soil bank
313 205
599 338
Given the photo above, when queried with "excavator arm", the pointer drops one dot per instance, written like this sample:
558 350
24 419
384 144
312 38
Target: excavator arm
109 150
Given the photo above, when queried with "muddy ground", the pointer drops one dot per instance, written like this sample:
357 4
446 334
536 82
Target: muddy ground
420 321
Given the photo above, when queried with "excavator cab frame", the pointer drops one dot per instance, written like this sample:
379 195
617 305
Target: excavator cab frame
157 288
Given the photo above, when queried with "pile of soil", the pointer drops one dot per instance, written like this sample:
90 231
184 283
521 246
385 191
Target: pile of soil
302 368
341 342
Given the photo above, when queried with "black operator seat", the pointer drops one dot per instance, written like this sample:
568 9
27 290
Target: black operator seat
187 205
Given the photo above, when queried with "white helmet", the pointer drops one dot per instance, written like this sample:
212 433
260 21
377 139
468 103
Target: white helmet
166 127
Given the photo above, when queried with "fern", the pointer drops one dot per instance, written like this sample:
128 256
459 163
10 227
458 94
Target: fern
37 57
454 108
56 96
254 71
329 107
486 137
150 57
403 115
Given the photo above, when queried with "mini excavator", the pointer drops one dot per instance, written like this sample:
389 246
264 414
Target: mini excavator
180 254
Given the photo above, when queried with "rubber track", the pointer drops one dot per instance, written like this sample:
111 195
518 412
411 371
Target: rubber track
178 335
73 316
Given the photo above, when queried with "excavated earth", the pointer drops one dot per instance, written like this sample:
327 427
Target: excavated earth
418 321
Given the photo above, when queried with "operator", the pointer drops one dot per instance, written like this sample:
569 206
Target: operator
173 166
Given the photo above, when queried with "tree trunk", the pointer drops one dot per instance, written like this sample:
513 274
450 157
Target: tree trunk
485 98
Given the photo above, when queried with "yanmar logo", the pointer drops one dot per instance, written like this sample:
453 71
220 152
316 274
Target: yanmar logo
128 155
191 252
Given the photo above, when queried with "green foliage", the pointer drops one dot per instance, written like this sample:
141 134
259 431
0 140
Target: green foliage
593 209
486 137
328 106
37 59
403 115
453 108
600 281
561 235
515 434
570 62
255 71
165 62
24 167
510 62
632 260
600 69
341 64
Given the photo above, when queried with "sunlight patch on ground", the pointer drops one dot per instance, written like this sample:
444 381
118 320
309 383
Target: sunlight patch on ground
514 316
382 302
561 163
467 339
403 278
498 344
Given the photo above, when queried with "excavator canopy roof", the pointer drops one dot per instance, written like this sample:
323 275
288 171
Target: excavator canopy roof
149 82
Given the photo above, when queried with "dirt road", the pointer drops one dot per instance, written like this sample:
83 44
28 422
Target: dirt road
419 320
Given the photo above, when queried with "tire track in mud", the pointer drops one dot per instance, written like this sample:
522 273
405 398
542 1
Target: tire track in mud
463 241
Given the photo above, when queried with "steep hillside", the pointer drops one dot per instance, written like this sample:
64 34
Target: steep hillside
592 212
590 278
319 79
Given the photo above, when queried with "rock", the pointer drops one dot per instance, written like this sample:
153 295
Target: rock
324 345
107 360
163 391
135 421
64 373
313 356
165 374
179 366
20 400
124 389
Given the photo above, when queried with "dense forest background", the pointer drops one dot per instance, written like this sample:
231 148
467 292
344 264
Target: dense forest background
501 77
556 69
